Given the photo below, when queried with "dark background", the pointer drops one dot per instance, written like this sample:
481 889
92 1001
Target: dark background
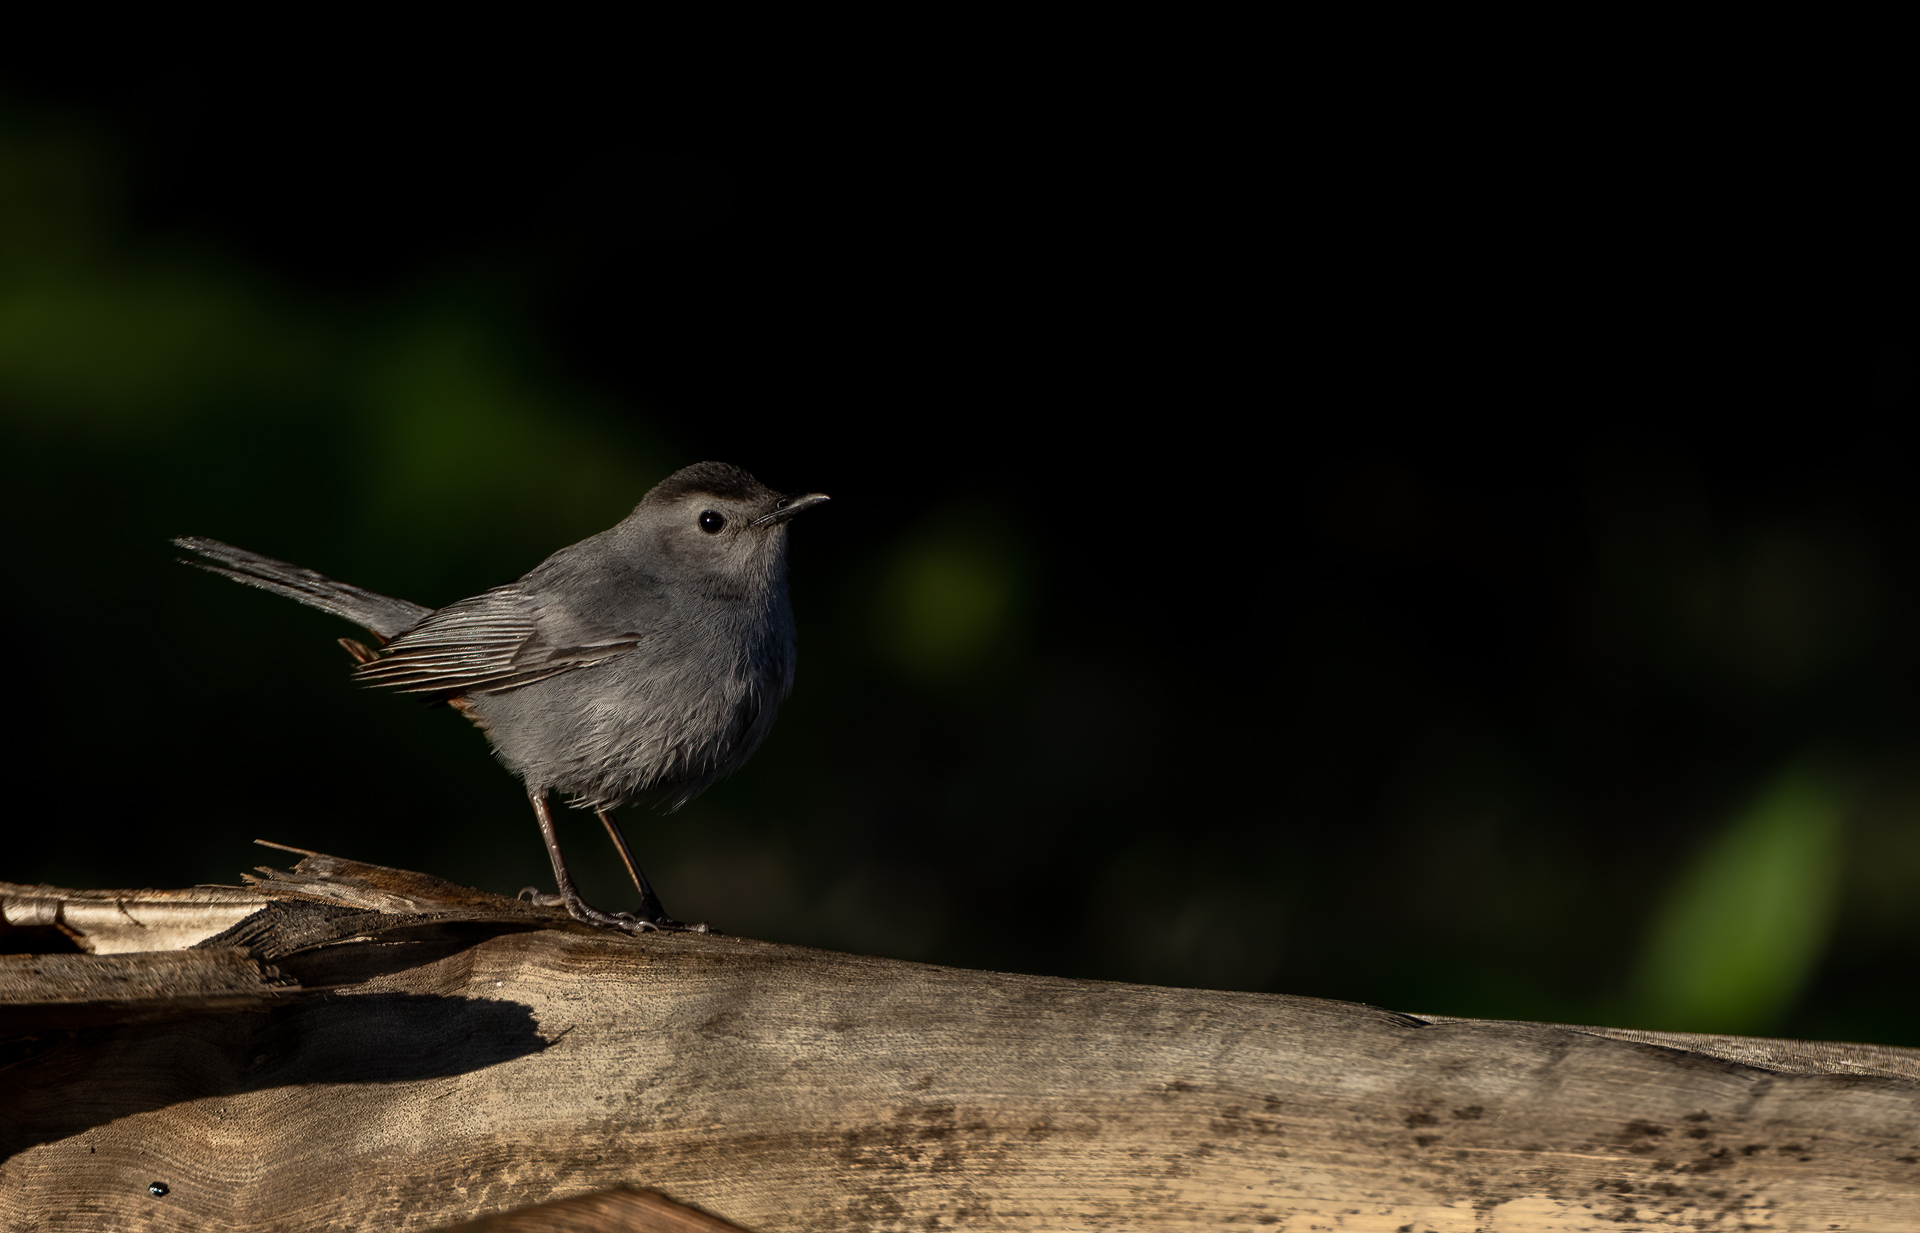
1449 546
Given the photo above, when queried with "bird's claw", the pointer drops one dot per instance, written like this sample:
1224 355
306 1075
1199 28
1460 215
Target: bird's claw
661 924
626 922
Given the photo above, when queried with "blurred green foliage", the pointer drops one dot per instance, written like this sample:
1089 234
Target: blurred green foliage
1743 927
954 598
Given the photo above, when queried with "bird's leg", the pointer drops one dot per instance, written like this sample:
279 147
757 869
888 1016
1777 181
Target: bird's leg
568 897
650 909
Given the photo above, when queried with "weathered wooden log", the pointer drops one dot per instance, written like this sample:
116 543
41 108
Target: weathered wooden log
373 1049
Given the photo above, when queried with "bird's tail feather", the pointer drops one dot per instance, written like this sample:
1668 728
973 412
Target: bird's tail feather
382 614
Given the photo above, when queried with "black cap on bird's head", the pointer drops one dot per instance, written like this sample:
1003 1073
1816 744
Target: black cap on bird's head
716 479
732 485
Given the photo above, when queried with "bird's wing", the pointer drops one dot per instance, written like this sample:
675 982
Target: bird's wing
494 641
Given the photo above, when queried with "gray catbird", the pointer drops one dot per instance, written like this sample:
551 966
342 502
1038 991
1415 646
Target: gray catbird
644 662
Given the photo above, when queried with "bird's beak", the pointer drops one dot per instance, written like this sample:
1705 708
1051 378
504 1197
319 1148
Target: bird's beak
790 506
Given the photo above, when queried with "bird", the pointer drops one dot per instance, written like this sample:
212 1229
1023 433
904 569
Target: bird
643 663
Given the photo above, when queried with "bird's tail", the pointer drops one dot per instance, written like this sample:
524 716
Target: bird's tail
382 614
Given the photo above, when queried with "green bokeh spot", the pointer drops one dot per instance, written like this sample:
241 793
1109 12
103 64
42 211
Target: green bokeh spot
949 606
1741 930
465 444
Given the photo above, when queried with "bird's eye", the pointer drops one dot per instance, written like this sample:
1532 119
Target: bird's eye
711 521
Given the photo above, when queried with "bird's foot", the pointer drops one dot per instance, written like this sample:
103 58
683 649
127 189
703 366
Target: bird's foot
634 923
626 922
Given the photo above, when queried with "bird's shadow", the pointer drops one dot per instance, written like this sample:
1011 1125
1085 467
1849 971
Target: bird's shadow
60 1083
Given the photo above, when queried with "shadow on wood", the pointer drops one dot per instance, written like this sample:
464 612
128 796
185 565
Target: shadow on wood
352 1047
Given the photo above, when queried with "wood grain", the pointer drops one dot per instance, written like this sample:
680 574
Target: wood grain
456 1067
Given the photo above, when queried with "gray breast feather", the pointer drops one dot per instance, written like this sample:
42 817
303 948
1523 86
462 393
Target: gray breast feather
636 725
